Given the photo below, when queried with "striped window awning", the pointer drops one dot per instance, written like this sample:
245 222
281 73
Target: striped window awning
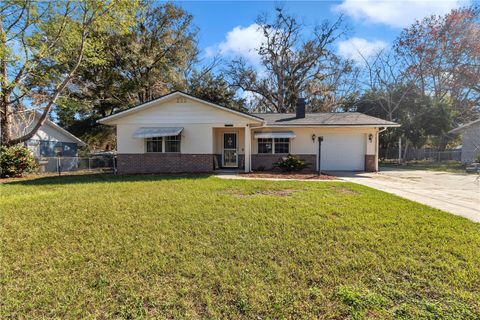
155 132
275 134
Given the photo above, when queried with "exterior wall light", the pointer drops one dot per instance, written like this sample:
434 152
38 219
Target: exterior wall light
370 137
313 137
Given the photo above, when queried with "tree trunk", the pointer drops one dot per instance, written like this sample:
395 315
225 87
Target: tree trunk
5 107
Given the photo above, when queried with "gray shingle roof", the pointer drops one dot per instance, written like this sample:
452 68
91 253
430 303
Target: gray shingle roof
324 119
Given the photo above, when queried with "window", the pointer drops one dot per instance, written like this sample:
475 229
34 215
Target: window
154 144
172 144
265 145
277 145
282 145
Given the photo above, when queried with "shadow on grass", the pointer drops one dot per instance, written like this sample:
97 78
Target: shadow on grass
103 178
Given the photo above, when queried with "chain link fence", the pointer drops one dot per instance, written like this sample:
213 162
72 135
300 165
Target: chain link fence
72 164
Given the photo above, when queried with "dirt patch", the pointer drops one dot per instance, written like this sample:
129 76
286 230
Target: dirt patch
346 190
242 193
288 175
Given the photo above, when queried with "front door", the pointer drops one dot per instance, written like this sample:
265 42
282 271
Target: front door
230 154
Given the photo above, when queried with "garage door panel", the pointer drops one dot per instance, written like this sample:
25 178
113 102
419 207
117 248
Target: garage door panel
343 152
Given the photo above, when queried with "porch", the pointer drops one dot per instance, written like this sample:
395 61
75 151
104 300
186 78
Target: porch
232 148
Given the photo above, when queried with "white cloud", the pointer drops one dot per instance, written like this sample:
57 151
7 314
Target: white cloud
239 42
396 13
355 48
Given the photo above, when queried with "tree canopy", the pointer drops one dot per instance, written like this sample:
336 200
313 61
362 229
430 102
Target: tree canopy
42 46
79 61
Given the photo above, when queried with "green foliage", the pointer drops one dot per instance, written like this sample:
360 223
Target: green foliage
291 163
478 159
423 119
147 61
205 85
52 41
229 249
15 161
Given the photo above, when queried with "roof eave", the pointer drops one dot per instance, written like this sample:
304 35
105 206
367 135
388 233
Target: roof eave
336 125
121 114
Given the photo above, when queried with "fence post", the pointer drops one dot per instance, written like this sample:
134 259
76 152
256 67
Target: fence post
58 166
399 150
89 166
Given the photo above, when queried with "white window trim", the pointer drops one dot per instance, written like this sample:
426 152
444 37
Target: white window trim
165 150
273 146
146 147
163 146
273 149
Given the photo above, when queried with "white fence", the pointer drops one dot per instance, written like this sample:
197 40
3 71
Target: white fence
69 164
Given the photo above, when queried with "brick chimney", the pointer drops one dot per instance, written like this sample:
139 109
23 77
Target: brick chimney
300 108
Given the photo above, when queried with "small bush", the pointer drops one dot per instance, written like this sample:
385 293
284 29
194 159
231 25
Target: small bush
291 163
477 159
15 161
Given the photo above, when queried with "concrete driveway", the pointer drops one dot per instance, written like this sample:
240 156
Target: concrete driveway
455 193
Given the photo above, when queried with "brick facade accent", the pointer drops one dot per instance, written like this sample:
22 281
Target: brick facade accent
266 161
370 163
164 163
241 161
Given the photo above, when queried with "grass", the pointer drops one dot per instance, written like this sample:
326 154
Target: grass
446 166
200 247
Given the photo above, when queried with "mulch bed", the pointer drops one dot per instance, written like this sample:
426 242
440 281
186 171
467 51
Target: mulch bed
289 175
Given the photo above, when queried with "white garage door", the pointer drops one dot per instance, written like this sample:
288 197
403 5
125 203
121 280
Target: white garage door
343 152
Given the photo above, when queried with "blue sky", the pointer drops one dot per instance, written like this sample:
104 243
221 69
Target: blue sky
226 28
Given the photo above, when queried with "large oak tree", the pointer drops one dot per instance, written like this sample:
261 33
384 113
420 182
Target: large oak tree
42 46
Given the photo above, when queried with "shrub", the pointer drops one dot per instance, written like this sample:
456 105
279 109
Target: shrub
291 163
477 160
15 161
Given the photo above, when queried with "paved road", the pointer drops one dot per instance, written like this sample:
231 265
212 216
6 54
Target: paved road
455 193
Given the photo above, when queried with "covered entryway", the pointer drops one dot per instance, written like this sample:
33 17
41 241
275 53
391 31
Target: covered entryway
229 148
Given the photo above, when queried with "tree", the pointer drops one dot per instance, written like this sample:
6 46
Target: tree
292 66
146 62
442 55
424 119
385 85
214 88
42 46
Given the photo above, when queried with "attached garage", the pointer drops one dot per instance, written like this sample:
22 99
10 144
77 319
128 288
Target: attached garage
343 152
181 133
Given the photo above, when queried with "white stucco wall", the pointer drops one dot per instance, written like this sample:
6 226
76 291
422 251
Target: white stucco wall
197 119
342 148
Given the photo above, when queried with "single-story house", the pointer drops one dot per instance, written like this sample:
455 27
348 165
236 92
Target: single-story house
181 133
50 140
470 140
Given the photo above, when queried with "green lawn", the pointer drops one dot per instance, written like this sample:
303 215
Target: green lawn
446 166
201 247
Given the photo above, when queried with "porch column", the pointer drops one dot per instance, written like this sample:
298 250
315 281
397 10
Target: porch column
248 148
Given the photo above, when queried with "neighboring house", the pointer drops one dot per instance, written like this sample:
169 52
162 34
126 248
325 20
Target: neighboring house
470 140
181 133
50 140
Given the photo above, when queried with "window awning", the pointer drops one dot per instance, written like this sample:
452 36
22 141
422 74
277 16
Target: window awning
275 134
155 132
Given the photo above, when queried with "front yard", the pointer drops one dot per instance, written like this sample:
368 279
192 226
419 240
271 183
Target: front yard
201 247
